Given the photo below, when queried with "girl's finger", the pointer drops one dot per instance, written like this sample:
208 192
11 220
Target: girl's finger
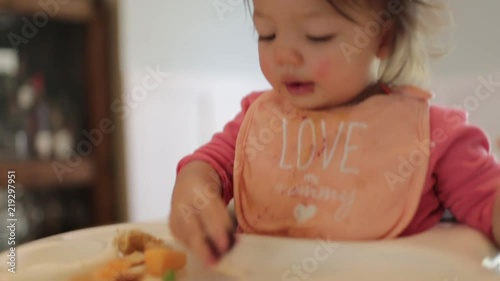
217 224
193 237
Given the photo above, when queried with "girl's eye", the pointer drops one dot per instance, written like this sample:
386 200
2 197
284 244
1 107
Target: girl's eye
267 38
320 39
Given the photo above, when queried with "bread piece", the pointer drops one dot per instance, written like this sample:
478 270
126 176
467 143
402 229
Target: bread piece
135 240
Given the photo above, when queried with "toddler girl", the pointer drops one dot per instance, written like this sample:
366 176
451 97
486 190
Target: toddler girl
345 146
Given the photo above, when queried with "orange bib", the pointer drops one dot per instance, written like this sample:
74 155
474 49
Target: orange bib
351 173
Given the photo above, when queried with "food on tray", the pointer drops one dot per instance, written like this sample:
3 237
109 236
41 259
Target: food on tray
159 260
139 257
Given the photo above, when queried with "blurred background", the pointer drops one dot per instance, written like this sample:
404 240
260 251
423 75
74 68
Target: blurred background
100 99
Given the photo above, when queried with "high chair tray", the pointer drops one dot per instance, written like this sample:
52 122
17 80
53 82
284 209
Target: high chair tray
448 252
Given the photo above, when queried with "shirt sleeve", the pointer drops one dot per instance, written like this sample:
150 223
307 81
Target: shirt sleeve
219 152
467 174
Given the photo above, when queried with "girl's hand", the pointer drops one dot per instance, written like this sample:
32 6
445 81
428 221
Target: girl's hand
199 218
496 220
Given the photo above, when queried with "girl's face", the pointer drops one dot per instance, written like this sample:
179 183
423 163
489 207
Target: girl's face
313 55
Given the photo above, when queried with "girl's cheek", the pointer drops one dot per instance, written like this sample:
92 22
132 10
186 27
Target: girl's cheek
322 69
265 66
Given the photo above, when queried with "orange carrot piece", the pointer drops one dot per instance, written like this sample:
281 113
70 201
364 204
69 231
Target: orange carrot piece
159 260
112 269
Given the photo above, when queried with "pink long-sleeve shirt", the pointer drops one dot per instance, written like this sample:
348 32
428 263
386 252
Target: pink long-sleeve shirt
463 176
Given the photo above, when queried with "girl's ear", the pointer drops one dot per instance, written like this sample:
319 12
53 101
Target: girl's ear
386 41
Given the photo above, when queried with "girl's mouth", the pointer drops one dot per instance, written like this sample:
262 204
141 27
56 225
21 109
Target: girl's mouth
300 88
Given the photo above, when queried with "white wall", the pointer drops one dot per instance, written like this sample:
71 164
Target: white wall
212 63
476 56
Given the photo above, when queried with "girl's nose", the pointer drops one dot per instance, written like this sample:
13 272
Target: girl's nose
287 55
